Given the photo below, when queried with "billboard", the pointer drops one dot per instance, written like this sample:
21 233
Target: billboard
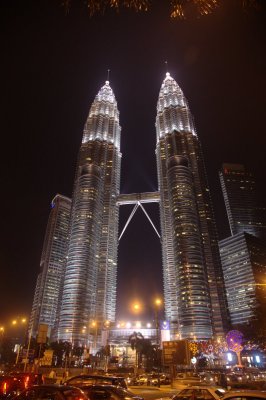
176 352
42 333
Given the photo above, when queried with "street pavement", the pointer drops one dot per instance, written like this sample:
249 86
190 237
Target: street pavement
153 392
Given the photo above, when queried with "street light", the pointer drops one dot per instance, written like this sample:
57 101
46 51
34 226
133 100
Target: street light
157 305
2 330
28 348
18 323
94 325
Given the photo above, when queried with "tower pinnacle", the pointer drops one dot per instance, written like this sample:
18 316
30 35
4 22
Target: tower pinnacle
103 119
173 112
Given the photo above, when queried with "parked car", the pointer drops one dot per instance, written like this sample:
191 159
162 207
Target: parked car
200 393
131 380
161 379
142 379
10 385
28 378
51 392
109 392
86 380
245 395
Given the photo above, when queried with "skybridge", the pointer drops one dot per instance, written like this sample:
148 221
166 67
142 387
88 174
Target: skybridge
138 199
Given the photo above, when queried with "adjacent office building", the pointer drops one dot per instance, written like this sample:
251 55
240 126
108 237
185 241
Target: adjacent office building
243 254
52 263
244 266
241 197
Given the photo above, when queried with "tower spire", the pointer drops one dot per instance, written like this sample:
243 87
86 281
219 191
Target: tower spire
166 66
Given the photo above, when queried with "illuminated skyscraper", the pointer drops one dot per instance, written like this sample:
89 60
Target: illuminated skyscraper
193 284
195 302
52 265
241 198
89 290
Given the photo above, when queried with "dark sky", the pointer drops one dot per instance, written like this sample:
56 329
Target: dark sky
52 66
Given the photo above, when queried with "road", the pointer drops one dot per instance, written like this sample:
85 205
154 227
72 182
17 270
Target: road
152 392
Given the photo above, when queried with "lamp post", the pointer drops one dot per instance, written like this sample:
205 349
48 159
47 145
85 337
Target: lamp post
19 336
94 325
137 308
2 330
157 305
106 326
28 349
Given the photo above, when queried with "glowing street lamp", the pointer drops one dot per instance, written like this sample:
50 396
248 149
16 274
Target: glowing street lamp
158 302
94 326
157 305
136 307
2 330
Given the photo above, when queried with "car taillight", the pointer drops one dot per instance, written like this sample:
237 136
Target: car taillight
26 383
5 386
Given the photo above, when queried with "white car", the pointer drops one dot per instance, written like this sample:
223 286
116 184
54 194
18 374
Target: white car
245 395
200 393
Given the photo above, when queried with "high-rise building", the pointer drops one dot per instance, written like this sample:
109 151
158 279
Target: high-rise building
52 263
244 266
241 198
195 303
89 290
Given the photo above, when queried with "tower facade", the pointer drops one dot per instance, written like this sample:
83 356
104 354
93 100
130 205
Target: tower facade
89 289
242 201
52 263
195 303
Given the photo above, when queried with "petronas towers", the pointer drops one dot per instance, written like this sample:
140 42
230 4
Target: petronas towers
193 285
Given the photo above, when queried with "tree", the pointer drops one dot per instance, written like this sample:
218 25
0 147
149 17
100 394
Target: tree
178 9
136 343
150 352
61 351
7 354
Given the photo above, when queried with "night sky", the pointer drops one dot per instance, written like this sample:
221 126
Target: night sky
52 66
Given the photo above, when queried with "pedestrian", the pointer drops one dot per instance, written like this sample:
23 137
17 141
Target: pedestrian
52 374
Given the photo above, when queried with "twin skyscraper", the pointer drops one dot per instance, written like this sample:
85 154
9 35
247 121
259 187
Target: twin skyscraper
81 244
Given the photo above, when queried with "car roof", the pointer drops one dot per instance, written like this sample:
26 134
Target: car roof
245 392
107 386
97 376
202 387
54 386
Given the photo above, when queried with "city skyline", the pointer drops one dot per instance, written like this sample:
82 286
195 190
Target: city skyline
35 189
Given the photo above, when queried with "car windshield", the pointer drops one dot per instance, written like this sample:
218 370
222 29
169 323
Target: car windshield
220 392
81 381
72 394
122 392
94 380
